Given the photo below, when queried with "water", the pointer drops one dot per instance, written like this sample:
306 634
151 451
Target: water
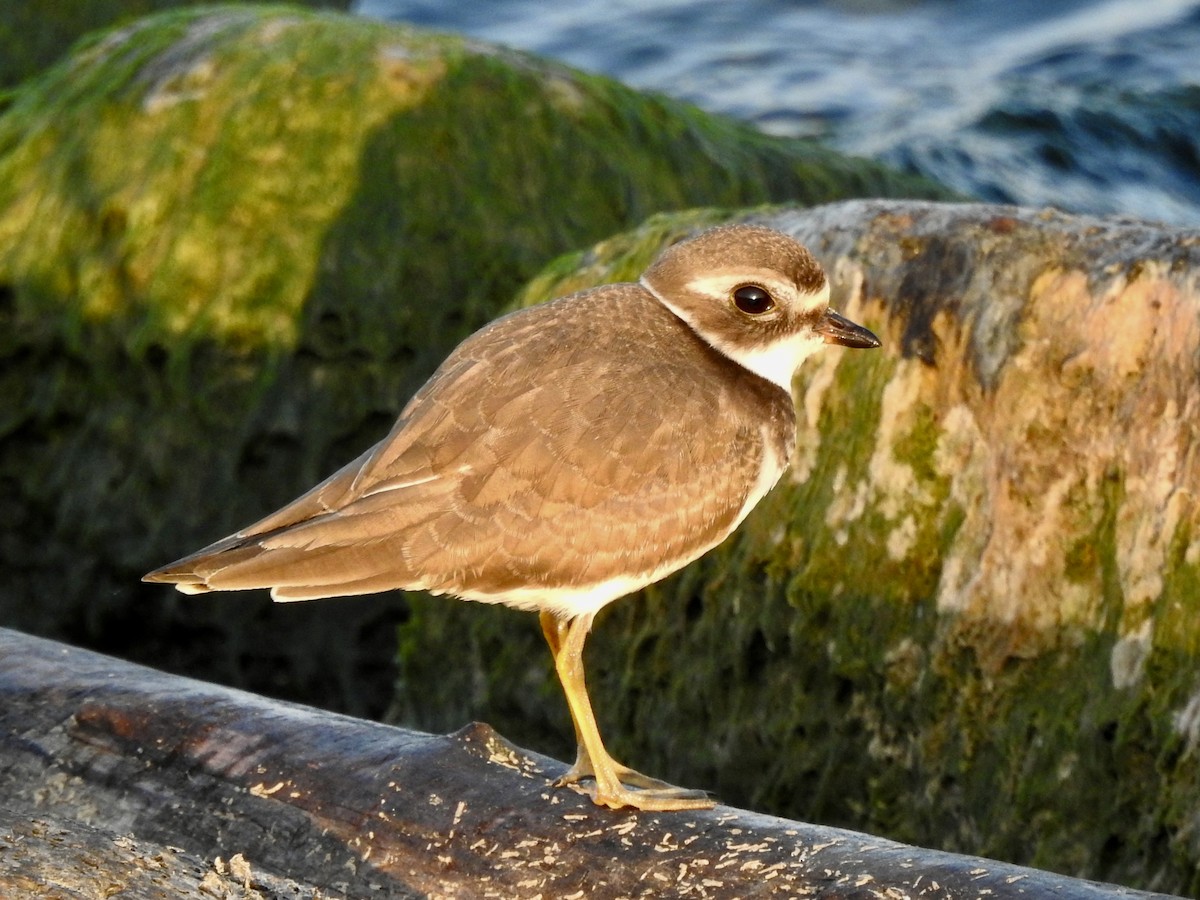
1088 105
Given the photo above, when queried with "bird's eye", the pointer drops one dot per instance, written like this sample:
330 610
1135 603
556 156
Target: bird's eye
753 300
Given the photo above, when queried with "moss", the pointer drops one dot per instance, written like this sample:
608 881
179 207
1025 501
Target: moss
1056 766
1175 612
168 243
844 534
34 35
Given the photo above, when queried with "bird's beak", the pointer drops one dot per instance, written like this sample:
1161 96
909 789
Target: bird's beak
837 329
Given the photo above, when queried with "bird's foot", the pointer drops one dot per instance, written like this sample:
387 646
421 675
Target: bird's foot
664 799
583 769
628 788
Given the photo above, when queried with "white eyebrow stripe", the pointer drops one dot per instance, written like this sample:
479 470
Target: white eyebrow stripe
717 285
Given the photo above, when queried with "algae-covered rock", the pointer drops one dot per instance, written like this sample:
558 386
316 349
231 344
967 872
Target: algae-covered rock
234 240
969 617
34 34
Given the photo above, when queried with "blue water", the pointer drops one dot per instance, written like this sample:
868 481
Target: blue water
1088 105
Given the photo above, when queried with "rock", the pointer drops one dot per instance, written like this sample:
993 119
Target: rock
234 240
970 617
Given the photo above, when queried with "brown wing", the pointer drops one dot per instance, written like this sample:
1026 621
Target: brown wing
535 458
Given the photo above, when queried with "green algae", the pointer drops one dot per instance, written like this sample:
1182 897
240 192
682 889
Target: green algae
176 236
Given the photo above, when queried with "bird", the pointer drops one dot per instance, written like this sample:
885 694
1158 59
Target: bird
566 455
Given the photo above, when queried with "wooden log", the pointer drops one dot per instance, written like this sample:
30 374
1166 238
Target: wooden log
115 778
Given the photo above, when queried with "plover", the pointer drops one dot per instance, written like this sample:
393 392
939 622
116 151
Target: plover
567 455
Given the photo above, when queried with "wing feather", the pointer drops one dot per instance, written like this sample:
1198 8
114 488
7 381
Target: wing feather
525 463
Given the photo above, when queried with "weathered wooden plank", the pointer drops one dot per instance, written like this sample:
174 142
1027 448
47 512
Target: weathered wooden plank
118 777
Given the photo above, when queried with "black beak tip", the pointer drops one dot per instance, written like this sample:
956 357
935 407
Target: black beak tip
864 341
839 330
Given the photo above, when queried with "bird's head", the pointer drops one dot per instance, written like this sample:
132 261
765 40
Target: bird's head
756 295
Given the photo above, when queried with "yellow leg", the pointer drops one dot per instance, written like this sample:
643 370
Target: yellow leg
614 783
